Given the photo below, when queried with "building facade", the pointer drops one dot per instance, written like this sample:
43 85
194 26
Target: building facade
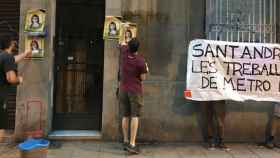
73 87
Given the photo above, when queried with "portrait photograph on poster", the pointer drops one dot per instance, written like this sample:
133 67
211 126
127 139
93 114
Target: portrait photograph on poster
35 22
128 31
112 27
36 45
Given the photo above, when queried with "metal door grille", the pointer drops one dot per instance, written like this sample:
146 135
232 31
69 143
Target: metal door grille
241 20
79 57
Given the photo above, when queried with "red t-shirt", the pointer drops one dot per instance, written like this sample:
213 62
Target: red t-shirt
132 66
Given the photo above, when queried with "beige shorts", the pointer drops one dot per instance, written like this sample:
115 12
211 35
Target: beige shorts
131 104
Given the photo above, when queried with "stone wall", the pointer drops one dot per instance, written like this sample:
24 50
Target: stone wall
165 29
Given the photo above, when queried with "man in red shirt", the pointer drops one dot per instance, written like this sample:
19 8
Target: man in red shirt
133 70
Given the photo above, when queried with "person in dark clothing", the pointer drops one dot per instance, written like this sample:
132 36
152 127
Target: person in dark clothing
133 70
8 68
275 124
215 112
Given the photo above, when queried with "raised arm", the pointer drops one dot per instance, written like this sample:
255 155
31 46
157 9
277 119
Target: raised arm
23 55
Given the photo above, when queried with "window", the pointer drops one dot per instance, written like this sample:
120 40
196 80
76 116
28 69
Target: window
241 20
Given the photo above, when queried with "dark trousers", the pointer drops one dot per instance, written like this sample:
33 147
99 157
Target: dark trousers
275 124
215 112
3 115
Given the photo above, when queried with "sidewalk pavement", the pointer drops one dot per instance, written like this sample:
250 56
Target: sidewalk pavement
114 150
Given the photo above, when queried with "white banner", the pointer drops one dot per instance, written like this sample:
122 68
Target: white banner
219 70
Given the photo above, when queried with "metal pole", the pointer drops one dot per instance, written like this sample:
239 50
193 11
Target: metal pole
209 10
264 21
274 21
260 20
217 17
254 24
249 30
271 21
221 20
227 20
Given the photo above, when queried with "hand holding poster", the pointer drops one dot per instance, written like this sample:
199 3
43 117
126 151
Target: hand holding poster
36 45
112 27
128 31
220 70
115 28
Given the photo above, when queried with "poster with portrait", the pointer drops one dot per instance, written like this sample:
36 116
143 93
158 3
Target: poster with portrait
112 27
36 44
128 31
35 22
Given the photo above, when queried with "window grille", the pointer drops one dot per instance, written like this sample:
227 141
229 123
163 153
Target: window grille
241 20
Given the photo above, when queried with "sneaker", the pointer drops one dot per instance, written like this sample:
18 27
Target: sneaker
269 144
211 145
222 146
125 145
133 149
277 145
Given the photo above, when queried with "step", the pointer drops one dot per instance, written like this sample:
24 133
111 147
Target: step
75 135
6 136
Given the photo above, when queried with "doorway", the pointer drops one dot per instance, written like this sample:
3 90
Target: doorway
79 57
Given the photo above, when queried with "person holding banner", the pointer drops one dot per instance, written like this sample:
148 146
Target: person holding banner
275 123
215 111
133 70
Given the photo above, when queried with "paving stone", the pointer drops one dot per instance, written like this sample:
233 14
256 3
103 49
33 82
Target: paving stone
114 150
216 153
263 152
191 151
241 151
165 151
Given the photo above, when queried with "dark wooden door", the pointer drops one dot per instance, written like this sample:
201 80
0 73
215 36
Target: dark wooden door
79 64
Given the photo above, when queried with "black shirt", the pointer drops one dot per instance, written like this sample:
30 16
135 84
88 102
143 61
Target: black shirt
7 63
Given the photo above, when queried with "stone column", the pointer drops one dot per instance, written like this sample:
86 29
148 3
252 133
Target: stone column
37 76
110 114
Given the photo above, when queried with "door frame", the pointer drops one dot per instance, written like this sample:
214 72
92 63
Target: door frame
54 71
110 109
